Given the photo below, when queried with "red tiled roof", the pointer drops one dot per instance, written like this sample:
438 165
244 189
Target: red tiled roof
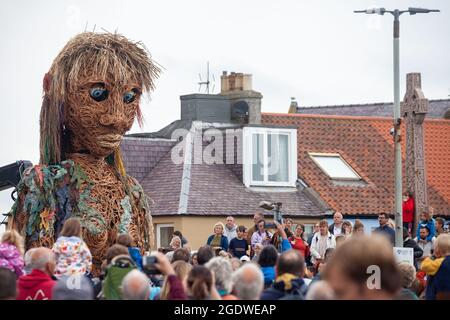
366 144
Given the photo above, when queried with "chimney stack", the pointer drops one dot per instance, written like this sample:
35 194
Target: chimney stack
245 102
293 107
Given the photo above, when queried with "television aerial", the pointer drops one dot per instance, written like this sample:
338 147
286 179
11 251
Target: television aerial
207 83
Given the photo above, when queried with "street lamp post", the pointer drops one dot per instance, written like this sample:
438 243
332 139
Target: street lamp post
397 119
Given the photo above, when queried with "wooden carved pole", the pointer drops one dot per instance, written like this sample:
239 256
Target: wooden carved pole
414 109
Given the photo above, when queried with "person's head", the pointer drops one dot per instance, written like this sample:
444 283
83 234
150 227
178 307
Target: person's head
426 214
27 261
268 256
124 239
199 283
194 260
291 262
69 288
358 228
258 217
289 223
230 222
43 259
204 254
442 245
407 274
337 218
248 282
391 223
181 254
92 94
439 224
135 286
383 219
316 227
363 269
323 227
407 195
182 270
114 251
299 230
221 267
14 238
71 228
329 254
235 263
8 287
320 290
175 243
240 231
347 227
246 233
258 248
340 239
219 228
261 225
178 234
424 232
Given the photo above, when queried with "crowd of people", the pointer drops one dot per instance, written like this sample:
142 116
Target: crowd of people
267 261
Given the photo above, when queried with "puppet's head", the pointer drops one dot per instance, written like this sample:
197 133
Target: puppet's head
92 94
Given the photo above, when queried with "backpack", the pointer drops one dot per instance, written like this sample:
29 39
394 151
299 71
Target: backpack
116 271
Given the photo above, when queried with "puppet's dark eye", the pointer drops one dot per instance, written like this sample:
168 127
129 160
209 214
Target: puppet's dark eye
99 94
129 96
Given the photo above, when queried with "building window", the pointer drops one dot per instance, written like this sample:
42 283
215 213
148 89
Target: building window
164 234
270 156
334 166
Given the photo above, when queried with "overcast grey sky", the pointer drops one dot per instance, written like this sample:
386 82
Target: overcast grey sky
317 51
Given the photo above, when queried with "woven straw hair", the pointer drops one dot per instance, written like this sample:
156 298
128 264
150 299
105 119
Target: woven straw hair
101 53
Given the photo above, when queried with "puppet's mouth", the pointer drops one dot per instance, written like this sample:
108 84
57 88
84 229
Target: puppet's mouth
110 140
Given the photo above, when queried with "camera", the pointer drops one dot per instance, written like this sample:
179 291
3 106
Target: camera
275 207
148 265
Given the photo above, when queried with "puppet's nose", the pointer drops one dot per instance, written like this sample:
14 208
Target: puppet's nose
115 120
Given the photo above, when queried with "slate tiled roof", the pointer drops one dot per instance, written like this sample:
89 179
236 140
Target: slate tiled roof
141 155
437 109
365 143
215 189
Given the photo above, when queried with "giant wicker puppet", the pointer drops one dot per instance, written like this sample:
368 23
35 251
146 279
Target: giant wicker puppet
91 99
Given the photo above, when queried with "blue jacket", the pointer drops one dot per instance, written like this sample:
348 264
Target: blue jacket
431 227
135 254
223 241
285 245
269 275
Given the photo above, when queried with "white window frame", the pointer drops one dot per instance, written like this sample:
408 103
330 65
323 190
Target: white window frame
158 232
334 155
248 156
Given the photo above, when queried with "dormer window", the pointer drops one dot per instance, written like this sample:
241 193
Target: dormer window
270 156
334 166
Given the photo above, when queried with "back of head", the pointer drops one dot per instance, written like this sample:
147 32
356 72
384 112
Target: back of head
181 269
407 273
41 259
292 262
357 260
320 290
7 284
135 286
75 287
268 256
181 254
71 228
442 245
14 238
204 254
199 283
114 251
124 239
221 267
248 282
